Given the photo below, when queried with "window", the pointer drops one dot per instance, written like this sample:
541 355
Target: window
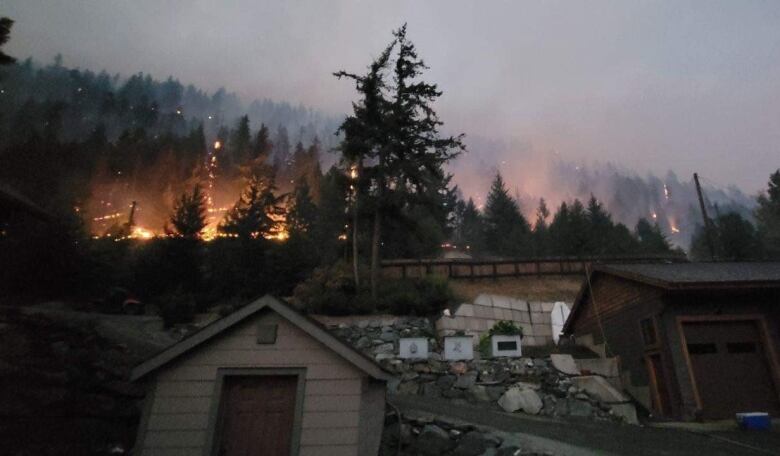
503 346
649 334
702 349
741 347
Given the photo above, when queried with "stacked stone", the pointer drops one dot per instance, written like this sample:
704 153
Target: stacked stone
379 338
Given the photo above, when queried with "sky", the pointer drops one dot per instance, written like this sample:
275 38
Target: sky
649 85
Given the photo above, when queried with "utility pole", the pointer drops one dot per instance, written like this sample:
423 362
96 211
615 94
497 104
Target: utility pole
707 223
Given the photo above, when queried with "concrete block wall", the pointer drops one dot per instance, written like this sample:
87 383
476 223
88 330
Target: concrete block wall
478 317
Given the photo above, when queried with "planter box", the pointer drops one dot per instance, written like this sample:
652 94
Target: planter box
509 346
413 347
458 348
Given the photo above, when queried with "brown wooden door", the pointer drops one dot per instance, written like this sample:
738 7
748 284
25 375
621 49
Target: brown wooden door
257 416
731 369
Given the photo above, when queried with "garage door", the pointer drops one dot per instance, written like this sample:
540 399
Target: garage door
257 416
730 367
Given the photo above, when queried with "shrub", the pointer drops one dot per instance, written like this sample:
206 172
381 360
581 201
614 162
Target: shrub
420 297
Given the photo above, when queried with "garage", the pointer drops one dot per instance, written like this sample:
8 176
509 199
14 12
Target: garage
730 368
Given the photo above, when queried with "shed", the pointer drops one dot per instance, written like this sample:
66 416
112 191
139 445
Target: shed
265 380
694 340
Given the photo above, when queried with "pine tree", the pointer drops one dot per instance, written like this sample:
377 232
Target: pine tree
189 215
240 142
302 215
540 232
262 146
768 217
600 229
281 159
398 128
507 231
256 214
471 230
5 35
650 237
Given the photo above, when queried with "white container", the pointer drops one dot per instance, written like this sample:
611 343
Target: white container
458 348
509 346
413 348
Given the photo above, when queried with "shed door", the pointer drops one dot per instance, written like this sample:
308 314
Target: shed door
257 416
730 366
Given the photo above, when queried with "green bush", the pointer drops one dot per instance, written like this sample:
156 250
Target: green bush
331 291
420 297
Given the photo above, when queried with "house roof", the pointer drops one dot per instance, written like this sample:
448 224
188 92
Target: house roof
697 275
306 324
684 277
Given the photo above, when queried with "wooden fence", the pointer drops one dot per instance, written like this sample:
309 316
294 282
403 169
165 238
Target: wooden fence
516 267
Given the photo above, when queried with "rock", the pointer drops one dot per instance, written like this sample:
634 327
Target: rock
458 368
625 411
466 380
478 393
385 348
453 393
526 400
362 324
445 381
431 390
408 388
564 364
433 441
579 408
562 408
389 337
495 392
381 356
471 444
363 342
433 356
510 451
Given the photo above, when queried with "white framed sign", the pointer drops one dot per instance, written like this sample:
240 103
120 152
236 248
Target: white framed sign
413 347
458 348
503 345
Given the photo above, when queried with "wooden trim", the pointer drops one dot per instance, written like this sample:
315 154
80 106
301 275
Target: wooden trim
655 395
212 439
143 424
774 367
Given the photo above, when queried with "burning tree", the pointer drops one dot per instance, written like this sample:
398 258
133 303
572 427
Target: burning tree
258 213
189 215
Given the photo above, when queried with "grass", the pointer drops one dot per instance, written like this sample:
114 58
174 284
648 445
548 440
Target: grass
545 288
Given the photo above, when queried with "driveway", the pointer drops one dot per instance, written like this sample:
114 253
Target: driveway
598 437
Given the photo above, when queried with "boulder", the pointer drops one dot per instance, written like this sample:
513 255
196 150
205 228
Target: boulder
384 348
478 393
526 400
466 380
564 364
579 408
458 368
471 444
433 441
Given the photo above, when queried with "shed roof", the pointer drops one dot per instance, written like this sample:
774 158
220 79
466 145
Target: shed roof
306 324
682 277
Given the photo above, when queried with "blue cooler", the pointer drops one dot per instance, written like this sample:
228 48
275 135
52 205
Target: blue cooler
754 421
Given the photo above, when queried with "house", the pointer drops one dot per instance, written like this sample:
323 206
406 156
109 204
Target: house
265 380
694 340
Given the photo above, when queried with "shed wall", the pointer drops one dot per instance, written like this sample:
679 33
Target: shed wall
185 393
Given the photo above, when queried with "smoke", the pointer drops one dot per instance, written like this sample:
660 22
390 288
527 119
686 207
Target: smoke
531 173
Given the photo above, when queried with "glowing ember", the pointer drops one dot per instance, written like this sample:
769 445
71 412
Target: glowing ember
675 230
217 145
141 233
655 216
666 192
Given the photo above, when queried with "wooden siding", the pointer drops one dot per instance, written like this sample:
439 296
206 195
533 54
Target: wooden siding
185 390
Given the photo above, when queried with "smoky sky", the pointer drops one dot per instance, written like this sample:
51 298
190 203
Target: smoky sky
651 86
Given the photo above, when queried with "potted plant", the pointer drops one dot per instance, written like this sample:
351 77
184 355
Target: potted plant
458 347
505 339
